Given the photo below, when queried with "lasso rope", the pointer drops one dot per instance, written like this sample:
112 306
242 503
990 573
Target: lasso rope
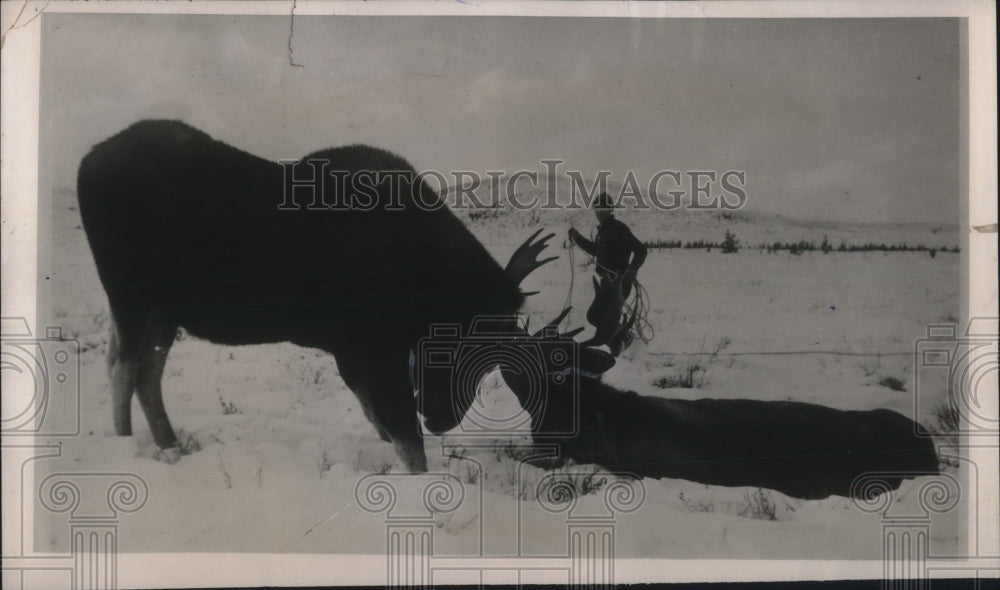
572 276
641 327
639 306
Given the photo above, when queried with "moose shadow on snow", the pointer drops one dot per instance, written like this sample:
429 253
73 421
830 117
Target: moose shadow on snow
188 232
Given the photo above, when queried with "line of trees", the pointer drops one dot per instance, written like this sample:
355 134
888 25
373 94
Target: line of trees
730 244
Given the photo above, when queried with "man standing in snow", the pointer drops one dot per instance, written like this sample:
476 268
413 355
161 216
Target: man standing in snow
619 255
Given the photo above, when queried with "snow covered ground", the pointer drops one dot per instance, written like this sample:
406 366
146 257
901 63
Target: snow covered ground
281 443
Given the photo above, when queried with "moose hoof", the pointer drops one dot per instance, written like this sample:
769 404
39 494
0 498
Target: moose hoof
168 456
547 463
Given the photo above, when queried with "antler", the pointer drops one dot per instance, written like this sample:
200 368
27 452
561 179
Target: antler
555 322
525 259
593 362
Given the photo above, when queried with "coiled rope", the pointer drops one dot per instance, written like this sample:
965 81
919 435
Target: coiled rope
641 327
637 307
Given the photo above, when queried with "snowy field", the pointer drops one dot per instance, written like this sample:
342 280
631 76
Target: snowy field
281 443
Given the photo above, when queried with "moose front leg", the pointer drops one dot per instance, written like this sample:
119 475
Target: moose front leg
389 404
150 393
400 422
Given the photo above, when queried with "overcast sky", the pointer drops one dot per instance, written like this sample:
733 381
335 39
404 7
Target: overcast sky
830 119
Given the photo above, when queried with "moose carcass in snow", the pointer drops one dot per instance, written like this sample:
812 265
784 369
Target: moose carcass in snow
802 450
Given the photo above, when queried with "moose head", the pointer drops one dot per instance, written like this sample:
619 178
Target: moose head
444 380
558 402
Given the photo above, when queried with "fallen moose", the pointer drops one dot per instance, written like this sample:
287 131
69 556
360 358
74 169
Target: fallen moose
802 450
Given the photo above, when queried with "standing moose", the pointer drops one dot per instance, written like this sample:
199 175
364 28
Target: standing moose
189 232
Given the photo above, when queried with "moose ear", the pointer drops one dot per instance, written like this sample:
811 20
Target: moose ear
595 360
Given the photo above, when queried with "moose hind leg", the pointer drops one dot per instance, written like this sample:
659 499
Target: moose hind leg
122 365
155 346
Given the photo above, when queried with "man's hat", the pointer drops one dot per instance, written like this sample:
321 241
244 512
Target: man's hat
603 201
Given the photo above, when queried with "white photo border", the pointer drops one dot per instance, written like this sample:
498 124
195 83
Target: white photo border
20 136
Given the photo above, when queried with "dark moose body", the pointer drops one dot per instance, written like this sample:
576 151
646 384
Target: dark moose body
186 232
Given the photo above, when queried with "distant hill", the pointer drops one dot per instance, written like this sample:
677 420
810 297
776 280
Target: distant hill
751 228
